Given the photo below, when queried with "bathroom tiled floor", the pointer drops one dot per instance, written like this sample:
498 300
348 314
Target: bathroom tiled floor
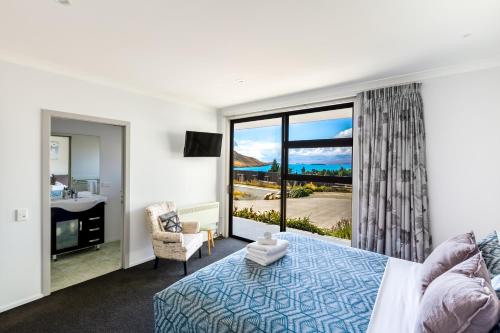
76 267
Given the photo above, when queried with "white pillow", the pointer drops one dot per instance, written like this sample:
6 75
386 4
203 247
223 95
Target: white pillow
495 283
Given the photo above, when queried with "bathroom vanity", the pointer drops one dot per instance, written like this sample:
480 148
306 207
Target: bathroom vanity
77 223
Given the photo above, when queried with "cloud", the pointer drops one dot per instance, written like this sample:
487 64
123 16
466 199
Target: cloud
261 150
345 133
337 155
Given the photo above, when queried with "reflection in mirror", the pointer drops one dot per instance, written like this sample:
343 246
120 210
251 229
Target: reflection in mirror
59 164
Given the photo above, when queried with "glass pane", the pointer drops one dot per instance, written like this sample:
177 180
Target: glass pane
321 210
66 234
328 161
256 178
321 125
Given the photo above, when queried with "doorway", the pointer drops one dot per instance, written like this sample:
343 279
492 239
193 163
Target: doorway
85 198
292 172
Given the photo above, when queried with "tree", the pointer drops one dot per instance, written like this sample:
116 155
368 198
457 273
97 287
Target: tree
303 171
275 167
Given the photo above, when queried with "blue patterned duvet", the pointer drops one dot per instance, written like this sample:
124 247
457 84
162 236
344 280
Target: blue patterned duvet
316 287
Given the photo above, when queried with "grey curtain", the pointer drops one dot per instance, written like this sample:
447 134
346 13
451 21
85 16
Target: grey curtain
393 201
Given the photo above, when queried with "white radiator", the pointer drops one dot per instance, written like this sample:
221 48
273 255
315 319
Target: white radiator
207 214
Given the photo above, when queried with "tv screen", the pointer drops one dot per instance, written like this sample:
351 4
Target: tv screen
202 144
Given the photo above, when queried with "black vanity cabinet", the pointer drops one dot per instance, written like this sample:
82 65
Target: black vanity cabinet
76 230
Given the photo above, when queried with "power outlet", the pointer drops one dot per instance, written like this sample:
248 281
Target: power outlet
21 214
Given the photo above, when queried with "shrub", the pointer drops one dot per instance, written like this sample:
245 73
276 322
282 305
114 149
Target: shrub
341 229
238 195
299 192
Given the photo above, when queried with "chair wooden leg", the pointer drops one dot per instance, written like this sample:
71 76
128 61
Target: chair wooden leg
199 251
185 268
156 262
209 236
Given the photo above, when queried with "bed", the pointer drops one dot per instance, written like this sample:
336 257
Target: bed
317 287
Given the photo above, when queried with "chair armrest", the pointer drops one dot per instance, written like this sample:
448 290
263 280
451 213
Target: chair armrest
168 237
190 227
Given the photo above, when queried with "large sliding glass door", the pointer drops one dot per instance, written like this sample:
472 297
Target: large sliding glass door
256 177
293 172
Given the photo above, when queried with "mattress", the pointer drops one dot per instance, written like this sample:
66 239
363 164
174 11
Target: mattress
317 287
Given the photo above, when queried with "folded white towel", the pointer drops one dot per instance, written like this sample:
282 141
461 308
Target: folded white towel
262 255
281 244
266 241
266 260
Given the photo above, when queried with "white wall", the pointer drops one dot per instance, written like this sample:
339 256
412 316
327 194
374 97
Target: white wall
109 159
158 171
462 118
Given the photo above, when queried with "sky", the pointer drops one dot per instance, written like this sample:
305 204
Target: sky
264 143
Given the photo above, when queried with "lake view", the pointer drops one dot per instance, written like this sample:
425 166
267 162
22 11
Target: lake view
297 168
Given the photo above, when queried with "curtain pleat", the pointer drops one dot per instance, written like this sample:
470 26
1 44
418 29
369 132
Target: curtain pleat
393 201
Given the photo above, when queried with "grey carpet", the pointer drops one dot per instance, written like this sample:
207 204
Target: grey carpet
120 301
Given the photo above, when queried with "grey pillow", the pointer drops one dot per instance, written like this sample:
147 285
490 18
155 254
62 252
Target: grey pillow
447 255
170 222
460 300
490 247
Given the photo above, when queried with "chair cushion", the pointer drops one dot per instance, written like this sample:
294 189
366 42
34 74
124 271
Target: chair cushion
460 300
170 222
447 255
192 242
490 248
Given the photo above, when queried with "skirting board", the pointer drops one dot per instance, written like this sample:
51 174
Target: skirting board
20 302
141 261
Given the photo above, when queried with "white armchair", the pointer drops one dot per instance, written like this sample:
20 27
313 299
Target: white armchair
171 245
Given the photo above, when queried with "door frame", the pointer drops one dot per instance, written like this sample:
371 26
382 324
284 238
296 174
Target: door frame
47 116
285 145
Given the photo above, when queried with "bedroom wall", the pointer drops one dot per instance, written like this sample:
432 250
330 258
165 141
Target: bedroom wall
158 170
462 117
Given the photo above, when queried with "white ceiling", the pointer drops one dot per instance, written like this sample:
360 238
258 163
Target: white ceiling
199 50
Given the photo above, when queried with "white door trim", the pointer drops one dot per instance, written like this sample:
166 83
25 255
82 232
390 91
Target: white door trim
47 116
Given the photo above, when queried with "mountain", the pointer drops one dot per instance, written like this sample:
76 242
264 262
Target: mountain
241 161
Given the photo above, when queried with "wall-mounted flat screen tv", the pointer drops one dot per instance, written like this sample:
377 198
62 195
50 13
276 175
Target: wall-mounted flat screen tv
202 144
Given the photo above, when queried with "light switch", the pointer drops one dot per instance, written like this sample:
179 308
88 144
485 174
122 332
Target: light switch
21 214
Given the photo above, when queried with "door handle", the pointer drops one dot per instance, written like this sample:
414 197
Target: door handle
80 225
94 229
94 218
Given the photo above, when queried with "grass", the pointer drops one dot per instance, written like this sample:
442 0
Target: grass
341 229
258 183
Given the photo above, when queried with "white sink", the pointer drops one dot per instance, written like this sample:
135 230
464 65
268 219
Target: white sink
78 204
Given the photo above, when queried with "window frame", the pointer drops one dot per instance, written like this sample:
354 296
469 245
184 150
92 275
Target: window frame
286 144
